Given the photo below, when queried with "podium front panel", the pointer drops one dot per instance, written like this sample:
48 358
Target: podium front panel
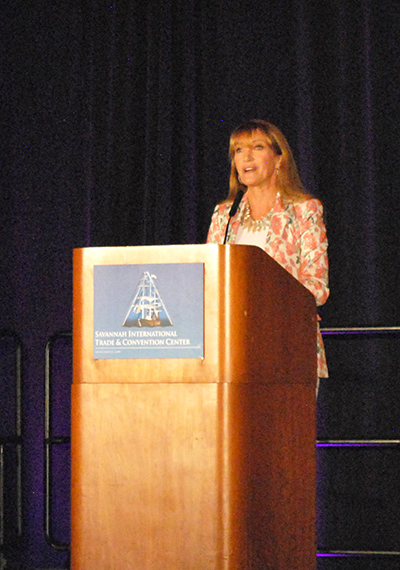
184 464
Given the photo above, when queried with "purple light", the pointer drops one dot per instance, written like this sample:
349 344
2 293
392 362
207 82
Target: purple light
354 444
326 555
335 555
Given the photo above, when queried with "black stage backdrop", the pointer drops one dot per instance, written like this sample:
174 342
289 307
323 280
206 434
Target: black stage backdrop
115 121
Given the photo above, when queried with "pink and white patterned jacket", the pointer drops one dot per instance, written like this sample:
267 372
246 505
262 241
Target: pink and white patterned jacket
296 239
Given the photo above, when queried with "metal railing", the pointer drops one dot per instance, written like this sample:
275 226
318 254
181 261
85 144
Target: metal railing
13 440
51 440
359 443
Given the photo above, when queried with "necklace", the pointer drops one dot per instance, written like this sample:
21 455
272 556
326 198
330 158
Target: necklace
256 225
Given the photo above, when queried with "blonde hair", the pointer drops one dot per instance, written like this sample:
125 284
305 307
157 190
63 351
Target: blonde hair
288 178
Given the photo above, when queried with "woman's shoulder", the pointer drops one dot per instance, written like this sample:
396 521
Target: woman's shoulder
308 207
223 208
224 205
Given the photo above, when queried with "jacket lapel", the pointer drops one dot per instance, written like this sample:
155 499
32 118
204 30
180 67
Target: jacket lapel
282 217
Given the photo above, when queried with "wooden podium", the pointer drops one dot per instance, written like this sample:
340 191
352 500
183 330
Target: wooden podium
204 463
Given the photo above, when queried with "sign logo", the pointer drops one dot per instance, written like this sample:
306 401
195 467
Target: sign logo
147 308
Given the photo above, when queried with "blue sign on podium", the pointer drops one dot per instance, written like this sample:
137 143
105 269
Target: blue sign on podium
149 311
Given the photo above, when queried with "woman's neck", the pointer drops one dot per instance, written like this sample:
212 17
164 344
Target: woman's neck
261 200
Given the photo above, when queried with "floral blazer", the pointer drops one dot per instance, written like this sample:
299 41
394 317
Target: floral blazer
296 239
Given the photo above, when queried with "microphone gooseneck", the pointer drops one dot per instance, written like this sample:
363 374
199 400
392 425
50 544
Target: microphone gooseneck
233 210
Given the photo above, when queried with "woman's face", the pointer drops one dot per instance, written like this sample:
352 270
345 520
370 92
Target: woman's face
255 161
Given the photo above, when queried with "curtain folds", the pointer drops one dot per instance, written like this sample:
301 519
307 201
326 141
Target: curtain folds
115 121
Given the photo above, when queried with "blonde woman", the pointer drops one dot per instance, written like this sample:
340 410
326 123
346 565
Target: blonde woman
275 213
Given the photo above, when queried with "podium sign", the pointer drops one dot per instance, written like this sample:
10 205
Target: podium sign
148 311
201 461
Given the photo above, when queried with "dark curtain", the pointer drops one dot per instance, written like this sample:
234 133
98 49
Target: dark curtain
115 122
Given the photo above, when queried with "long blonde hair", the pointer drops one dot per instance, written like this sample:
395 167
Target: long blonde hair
288 178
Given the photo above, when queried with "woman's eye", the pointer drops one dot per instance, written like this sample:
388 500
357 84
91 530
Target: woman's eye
260 147
238 150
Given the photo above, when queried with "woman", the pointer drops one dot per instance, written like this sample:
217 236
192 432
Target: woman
275 213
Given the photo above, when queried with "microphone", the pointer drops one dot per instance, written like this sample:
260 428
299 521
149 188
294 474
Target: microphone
233 210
